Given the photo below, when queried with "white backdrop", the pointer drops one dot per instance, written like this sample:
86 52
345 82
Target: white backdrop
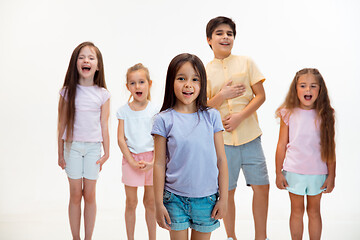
37 38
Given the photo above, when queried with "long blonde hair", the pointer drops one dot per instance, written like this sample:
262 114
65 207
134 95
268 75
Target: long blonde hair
322 107
137 67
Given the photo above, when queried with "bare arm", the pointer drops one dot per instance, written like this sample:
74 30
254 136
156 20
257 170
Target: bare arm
228 91
61 130
104 121
159 181
280 155
220 208
124 148
231 121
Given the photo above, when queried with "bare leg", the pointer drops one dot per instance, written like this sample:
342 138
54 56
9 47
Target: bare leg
75 186
229 219
195 235
149 204
314 214
90 207
296 216
130 210
179 235
260 210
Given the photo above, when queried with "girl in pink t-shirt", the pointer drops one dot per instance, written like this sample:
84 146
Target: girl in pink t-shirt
305 154
82 127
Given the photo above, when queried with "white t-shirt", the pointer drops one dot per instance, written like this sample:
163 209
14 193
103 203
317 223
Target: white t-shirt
88 102
137 127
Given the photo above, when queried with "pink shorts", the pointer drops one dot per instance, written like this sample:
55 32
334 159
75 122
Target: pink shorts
136 177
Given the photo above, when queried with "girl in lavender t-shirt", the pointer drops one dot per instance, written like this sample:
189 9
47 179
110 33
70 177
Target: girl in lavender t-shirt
190 170
305 155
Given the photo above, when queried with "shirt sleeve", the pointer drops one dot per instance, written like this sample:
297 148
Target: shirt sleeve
217 123
254 73
120 114
158 126
62 93
105 95
284 113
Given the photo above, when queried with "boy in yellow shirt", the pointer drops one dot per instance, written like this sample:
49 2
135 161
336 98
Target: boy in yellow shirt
235 88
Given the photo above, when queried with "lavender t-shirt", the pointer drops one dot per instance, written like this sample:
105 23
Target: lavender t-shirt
303 153
191 164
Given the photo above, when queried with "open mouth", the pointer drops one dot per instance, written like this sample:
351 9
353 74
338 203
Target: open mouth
139 94
86 68
188 93
225 44
308 97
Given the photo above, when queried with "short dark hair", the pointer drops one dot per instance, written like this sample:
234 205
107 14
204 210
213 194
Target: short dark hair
215 22
174 66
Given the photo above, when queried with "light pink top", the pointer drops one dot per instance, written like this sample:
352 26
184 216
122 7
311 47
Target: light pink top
88 102
303 154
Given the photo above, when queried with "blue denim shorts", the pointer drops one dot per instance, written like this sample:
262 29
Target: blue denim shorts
250 158
304 184
190 212
81 158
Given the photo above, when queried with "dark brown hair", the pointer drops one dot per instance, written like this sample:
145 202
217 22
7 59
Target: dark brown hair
70 84
215 22
174 66
323 108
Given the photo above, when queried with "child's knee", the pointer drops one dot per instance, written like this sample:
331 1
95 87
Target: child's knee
149 203
131 203
75 197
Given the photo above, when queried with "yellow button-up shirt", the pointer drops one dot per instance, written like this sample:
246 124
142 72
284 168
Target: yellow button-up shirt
239 69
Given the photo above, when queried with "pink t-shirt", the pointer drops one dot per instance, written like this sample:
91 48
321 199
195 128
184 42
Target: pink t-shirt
303 153
88 102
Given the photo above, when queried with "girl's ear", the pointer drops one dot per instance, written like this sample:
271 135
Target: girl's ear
127 86
150 82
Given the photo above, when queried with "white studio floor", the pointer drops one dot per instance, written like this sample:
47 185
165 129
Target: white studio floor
51 222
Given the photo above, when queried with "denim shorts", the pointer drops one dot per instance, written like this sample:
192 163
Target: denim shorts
250 158
81 158
304 184
190 212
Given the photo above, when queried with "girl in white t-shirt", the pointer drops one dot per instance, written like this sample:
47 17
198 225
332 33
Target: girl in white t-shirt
82 127
137 147
305 155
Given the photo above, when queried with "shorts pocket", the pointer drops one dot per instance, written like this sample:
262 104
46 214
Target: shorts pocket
212 199
167 196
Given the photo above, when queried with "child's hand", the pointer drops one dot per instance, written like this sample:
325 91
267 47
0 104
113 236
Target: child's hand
281 182
146 165
229 91
135 164
232 121
328 185
219 210
61 162
102 160
161 215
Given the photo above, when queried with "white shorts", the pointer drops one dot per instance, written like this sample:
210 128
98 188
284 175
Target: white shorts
81 160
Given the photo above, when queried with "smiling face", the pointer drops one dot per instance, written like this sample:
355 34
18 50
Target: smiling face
186 88
87 64
138 85
307 89
221 41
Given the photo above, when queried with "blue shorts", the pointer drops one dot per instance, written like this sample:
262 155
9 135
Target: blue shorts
188 212
81 158
250 158
304 184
